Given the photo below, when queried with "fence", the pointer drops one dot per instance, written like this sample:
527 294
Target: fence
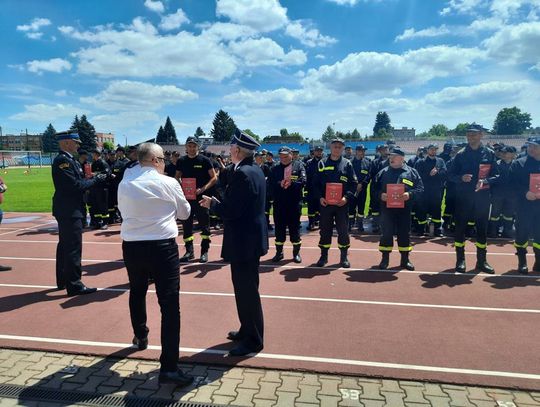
25 158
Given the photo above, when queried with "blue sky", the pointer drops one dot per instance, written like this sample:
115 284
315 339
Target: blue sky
299 64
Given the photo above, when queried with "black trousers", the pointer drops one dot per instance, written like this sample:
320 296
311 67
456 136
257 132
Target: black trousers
395 220
429 203
472 207
502 205
287 215
98 202
158 258
203 217
313 206
528 225
449 204
68 254
245 278
358 206
339 214
112 201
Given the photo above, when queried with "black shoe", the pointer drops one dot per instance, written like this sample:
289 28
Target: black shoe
297 259
60 287
82 291
234 336
277 257
522 261
460 266
204 258
438 232
385 261
178 378
484 267
270 227
243 350
5 268
187 257
407 265
310 226
141 344
344 261
376 230
322 261
104 226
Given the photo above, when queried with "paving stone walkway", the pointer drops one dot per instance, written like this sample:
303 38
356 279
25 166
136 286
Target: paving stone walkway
235 386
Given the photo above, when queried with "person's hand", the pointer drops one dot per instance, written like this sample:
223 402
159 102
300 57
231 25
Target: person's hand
343 202
406 196
285 183
199 191
359 187
205 202
112 176
101 178
434 171
323 202
531 196
479 185
384 197
466 178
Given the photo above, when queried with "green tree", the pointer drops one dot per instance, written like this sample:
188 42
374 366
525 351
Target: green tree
461 129
296 136
107 145
170 133
328 134
438 131
87 132
511 120
199 133
284 133
382 121
49 141
355 135
160 137
223 127
255 136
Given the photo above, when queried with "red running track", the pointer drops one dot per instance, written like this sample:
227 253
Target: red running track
427 325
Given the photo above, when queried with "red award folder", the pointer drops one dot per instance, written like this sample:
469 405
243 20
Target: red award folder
534 184
189 186
483 173
87 168
394 194
287 172
334 193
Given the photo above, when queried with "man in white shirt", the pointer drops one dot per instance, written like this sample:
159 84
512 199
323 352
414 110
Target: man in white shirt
150 203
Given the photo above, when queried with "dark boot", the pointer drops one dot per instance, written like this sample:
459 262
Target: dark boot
311 224
352 221
205 246
324 257
385 261
279 254
296 253
438 231
508 229
419 229
360 224
460 260
493 229
536 266
375 228
189 255
405 262
481 262
343 260
522 261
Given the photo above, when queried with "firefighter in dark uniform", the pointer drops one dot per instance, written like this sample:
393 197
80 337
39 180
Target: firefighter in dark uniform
377 164
268 203
82 157
432 170
99 194
397 219
362 168
195 165
67 207
287 196
335 169
527 204
313 204
473 193
503 200
116 165
449 191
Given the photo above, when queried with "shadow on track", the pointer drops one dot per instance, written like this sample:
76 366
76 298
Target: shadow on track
100 296
202 268
98 268
504 283
372 276
447 278
309 272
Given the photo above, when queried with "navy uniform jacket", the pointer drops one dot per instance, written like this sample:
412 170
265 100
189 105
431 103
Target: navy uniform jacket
245 234
293 194
503 188
340 171
362 169
519 175
467 161
69 186
424 167
405 175
312 167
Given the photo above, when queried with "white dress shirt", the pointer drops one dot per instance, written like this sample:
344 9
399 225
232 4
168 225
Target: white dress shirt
150 203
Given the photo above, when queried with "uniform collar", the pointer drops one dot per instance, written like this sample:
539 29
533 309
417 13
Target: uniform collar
66 153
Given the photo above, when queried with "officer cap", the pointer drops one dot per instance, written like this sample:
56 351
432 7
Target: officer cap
285 150
111 152
269 154
244 140
360 147
476 128
264 151
348 147
533 140
432 145
337 140
508 149
68 135
192 140
122 149
96 151
131 148
397 151
295 150
448 145
318 148
82 151
258 154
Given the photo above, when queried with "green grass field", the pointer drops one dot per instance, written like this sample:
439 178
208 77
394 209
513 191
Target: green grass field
28 190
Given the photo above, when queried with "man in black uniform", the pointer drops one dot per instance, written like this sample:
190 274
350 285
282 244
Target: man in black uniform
245 240
377 164
313 204
69 186
335 169
397 219
285 185
432 170
503 198
362 167
99 193
195 165
473 170
82 157
116 165
268 202
295 154
527 204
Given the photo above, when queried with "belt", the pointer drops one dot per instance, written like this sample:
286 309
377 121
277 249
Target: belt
146 242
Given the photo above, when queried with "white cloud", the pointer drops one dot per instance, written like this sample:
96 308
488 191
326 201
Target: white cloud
156 6
430 32
272 97
262 15
35 25
173 21
264 51
391 105
47 113
132 95
320 56
56 65
226 31
34 36
61 93
310 37
490 92
519 44
461 6
124 120
344 2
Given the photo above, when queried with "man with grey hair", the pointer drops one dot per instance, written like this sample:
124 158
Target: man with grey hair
150 203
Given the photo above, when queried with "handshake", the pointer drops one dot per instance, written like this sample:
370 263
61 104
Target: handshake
102 177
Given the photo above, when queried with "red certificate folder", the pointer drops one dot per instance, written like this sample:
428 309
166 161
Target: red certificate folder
334 193
483 173
287 172
394 194
87 168
534 184
189 186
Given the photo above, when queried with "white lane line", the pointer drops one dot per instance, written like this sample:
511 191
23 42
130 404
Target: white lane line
285 266
317 299
300 358
28 228
353 249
